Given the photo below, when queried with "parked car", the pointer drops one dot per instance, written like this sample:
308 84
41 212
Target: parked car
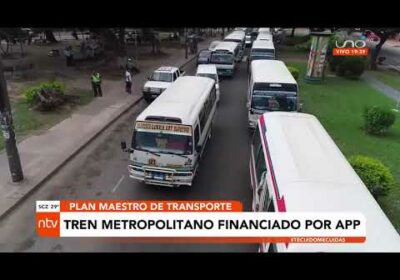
203 57
159 81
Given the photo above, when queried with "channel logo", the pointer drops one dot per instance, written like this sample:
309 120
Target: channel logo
351 48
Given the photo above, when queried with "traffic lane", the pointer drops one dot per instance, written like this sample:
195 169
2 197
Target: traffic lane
223 171
225 161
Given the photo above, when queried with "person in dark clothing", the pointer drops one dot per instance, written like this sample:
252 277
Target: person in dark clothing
69 56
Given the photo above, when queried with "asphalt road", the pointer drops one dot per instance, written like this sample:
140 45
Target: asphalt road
100 172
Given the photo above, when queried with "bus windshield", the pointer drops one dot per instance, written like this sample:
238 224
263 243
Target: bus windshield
222 58
270 101
162 142
161 77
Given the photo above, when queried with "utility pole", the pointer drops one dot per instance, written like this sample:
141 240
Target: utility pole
136 48
6 125
186 44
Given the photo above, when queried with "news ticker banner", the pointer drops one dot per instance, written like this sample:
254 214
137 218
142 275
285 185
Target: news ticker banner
195 222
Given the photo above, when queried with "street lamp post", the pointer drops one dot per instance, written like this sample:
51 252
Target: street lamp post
186 44
6 125
136 48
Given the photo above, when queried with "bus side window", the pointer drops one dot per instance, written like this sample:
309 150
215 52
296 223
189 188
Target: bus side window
256 140
203 117
260 163
271 207
196 135
213 97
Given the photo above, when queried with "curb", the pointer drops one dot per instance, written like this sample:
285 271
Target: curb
189 60
63 163
70 157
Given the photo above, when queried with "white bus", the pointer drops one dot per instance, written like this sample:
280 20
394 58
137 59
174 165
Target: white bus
210 71
224 57
171 133
264 37
262 50
240 38
271 88
213 45
295 166
264 30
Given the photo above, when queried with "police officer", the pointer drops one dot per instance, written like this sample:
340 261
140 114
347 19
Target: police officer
96 84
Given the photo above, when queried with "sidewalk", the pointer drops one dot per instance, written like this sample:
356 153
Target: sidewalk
381 87
393 43
43 155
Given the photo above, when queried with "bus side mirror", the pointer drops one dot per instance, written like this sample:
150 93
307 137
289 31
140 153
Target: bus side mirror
123 146
198 148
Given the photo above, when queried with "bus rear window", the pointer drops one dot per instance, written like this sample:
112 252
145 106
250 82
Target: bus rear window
275 87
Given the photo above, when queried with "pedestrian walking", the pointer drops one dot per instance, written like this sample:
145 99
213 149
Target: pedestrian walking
68 56
130 65
128 81
96 84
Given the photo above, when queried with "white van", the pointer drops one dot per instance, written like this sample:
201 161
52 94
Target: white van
271 88
171 133
224 57
210 71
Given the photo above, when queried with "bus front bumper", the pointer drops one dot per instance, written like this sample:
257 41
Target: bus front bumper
160 176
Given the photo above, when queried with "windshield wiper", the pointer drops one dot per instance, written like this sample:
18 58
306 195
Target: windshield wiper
151 152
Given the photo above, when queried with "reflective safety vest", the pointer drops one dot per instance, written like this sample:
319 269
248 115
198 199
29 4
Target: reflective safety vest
96 78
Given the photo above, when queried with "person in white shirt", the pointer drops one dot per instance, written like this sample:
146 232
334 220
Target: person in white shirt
128 81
